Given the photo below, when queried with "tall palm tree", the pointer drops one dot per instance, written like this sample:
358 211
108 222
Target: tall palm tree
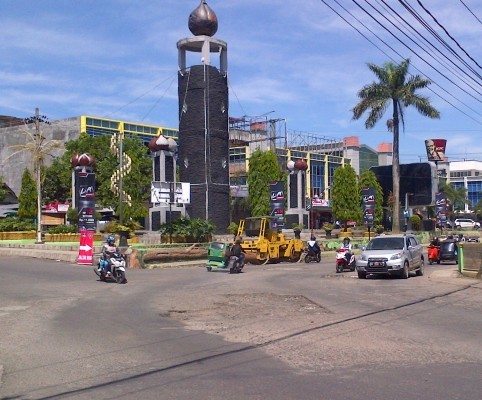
397 88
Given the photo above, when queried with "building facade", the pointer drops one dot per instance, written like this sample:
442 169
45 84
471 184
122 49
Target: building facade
467 174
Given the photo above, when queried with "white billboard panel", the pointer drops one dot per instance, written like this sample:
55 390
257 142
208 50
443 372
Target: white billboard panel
170 192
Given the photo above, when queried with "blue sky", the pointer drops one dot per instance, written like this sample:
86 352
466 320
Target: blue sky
118 59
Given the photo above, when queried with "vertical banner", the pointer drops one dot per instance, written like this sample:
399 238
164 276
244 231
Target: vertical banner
277 202
84 186
86 248
368 194
440 209
85 199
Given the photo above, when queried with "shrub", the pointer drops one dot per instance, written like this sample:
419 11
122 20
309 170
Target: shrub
128 226
16 224
233 228
379 228
192 230
297 227
327 227
416 222
63 229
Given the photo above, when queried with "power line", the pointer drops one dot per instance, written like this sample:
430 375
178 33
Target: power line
414 52
140 96
477 18
447 33
430 44
402 57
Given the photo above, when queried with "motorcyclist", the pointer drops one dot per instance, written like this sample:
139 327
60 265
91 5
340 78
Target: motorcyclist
313 245
435 241
108 248
348 252
238 251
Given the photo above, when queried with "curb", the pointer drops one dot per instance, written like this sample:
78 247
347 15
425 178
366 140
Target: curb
48 254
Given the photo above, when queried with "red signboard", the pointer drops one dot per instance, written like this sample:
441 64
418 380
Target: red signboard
86 248
435 149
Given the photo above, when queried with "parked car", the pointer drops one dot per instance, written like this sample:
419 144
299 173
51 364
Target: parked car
391 255
466 223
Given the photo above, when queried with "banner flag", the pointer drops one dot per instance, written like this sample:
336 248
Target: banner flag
86 248
368 194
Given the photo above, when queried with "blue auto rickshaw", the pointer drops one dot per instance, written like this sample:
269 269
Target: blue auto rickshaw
217 255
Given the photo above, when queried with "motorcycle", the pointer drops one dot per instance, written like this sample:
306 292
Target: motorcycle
342 263
117 266
311 256
235 266
433 254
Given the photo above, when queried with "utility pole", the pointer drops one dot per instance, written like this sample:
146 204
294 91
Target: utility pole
37 166
121 178
38 144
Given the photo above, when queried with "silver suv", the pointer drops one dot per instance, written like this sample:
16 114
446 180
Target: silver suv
391 255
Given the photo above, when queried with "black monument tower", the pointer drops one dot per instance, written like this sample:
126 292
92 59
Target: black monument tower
203 120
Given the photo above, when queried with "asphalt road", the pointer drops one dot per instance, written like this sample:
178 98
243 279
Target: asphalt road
287 331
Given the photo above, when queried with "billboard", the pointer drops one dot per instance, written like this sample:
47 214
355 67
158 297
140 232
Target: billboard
435 149
417 178
277 202
170 192
368 200
441 209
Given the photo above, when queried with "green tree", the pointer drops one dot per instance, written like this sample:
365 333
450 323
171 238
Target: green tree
27 199
346 196
136 183
478 208
396 88
455 197
3 192
57 185
263 169
369 179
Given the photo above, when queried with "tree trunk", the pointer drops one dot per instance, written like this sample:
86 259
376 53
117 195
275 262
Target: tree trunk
396 170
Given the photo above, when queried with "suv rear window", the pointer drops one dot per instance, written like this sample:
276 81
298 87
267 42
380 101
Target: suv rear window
386 243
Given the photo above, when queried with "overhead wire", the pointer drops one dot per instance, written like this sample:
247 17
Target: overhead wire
477 18
439 38
396 52
158 100
414 52
434 56
447 33
140 96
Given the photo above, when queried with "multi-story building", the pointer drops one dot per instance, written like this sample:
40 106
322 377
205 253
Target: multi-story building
467 174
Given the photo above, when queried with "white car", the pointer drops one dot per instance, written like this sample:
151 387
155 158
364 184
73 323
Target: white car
465 223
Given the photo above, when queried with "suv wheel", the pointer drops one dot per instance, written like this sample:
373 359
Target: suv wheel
362 275
420 270
404 271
